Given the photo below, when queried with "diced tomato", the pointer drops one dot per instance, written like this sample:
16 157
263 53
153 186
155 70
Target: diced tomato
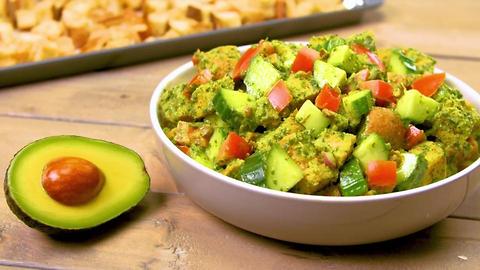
382 175
429 84
381 91
414 136
328 99
360 49
305 59
279 96
202 77
234 146
244 61
363 75
184 149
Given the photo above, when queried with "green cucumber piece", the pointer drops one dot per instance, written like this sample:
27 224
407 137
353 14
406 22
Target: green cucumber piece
411 171
325 73
371 148
253 170
260 77
312 117
352 182
235 108
219 135
358 103
282 171
401 64
415 107
395 64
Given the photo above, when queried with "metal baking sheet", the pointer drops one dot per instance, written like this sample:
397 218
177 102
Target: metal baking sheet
109 58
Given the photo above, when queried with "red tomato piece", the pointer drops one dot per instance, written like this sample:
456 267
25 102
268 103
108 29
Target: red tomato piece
414 136
360 49
244 61
381 91
279 96
202 77
429 84
305 59
234 146
382 175
328 99
184 149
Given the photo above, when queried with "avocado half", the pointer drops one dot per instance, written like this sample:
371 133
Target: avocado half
126 183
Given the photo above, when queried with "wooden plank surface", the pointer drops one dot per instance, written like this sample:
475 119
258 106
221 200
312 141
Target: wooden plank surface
436 27
167 230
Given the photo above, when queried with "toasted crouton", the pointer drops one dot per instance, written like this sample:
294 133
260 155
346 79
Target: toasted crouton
224 19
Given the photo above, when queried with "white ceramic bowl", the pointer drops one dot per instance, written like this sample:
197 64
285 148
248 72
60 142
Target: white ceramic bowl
313 219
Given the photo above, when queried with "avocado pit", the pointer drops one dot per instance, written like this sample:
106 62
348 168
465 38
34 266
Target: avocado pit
72 180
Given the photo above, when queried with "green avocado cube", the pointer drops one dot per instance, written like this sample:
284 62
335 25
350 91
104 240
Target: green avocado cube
325 73
415 107
344 58
312 117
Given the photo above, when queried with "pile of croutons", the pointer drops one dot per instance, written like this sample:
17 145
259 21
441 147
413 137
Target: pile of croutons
33 30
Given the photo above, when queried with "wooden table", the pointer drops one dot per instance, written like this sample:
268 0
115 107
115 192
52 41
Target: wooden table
168 230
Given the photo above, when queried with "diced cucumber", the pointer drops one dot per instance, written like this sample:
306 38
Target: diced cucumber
324 73
396 65
415 107
282 172
370 149
344 58
253 170
218 136
199 155
352 182
312 117
401 64
260 77
235 108
358 103
411 171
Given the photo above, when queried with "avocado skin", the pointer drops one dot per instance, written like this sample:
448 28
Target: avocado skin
32 223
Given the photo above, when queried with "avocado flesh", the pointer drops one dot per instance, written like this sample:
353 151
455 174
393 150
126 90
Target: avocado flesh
126 183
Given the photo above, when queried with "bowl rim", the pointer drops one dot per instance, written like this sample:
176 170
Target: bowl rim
165 82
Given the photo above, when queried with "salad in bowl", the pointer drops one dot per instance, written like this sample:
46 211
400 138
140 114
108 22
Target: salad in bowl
334 116
332 141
